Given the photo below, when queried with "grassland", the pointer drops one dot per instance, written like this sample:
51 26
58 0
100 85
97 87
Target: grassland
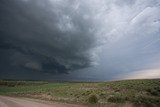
138 92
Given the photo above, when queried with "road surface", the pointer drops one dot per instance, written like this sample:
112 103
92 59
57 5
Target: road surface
25 102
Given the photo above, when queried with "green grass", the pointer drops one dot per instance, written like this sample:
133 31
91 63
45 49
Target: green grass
141 92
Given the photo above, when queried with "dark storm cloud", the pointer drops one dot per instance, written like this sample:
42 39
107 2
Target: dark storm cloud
58 36
43 35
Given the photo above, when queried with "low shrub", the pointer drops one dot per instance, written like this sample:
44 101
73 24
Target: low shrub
118 98
154 92
93 98
146 100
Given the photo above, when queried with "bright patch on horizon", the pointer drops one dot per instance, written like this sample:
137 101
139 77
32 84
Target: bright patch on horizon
144 74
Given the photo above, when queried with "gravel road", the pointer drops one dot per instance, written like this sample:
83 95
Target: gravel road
26 102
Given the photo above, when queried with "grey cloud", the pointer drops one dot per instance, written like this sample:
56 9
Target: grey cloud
133 39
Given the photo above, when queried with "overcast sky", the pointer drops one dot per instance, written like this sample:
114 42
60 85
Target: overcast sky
79 39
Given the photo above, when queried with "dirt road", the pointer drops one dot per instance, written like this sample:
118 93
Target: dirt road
25 102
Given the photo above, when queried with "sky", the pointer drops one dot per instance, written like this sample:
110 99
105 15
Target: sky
86 40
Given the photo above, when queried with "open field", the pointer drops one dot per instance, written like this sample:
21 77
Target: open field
135 92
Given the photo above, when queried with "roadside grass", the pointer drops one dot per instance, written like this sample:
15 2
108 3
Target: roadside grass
140 92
